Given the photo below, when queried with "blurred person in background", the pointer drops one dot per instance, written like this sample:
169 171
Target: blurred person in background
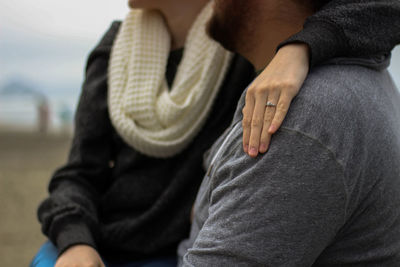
158 93
43 114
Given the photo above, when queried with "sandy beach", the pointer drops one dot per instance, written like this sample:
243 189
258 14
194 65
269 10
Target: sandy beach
27 161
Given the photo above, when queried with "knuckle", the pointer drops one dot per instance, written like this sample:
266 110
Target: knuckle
291 87
259 93
248 98
267 119
287 85
251 90
264 134
282 107
261 89
246 122
264 137
275 84
256 122
254 141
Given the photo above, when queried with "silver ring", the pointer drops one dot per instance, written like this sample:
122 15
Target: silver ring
270 104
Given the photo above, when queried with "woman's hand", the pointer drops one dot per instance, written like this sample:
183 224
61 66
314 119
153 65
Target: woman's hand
80 256
268 97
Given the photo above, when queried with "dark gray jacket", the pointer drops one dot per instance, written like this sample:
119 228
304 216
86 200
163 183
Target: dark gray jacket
327 193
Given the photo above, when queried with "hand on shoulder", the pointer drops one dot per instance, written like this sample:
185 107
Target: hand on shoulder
268 98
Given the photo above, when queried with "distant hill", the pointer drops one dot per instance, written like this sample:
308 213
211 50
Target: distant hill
18 86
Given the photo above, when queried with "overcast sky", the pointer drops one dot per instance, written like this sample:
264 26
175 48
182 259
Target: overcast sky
47 41
84 19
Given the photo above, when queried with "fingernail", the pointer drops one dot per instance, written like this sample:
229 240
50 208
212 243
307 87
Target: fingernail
253 151
272 129
246 148
263 148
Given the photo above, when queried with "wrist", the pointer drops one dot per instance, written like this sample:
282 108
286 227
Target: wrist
71 234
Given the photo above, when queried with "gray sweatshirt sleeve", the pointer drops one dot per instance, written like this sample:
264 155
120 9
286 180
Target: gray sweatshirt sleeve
281 209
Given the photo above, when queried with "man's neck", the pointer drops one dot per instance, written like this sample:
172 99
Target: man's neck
264 46
180 17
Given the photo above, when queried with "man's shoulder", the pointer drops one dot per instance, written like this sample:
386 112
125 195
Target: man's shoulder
343 87
342 79
342 96
340 104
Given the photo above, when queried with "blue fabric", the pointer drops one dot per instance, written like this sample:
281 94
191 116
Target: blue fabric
47 257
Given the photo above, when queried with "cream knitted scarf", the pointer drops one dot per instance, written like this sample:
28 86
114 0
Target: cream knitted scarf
151 118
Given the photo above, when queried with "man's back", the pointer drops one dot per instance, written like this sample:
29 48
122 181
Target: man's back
327 193
360 125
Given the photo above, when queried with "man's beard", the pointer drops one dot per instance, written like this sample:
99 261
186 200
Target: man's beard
230 24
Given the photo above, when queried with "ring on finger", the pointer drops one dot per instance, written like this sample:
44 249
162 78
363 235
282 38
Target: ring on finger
270 104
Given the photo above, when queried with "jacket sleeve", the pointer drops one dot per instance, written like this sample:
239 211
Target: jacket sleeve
281 209
69 216
350 28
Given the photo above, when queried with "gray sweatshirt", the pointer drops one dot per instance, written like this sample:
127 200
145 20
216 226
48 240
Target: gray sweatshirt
327 193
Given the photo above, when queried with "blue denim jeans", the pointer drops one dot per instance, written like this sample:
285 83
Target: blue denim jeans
47 257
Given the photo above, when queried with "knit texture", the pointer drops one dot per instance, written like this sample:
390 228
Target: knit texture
153 119
139 206
348 28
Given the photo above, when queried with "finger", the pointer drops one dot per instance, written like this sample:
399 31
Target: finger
246 122
268 116
280 113
257 124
